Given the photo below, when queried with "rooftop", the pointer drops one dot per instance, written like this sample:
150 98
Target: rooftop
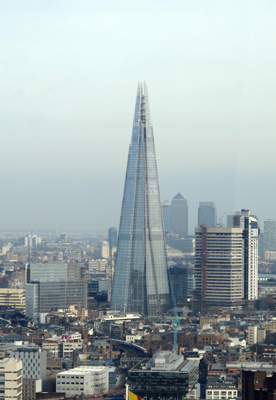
83 370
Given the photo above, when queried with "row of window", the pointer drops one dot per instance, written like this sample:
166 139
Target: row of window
70 377
64 388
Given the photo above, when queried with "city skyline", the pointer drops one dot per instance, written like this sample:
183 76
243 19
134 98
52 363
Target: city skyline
64 132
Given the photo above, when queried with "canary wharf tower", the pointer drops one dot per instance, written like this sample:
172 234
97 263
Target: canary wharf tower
141 281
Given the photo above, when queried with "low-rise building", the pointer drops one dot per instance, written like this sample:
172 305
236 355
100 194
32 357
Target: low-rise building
83 380
166 376
63 346
222 389
13 298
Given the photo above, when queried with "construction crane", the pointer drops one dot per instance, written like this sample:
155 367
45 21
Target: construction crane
176 323
85 336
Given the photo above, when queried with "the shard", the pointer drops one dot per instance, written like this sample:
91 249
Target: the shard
141 279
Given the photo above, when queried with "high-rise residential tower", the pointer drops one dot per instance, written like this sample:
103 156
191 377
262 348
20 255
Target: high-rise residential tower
207 214
179 215
250 226
226 265
218 268
141 278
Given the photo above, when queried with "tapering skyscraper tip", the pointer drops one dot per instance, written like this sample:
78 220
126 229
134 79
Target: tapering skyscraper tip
178 196
139 88
141 280
143 98
142 88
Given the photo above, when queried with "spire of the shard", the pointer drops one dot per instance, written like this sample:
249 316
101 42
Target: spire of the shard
141 280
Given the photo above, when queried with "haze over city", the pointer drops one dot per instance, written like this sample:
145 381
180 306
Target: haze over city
69 72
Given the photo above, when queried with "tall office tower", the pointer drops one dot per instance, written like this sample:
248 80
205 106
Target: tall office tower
207 214
179 215
218 268
141 278
249 224
270 235
54 285
166 210
261 245
112 240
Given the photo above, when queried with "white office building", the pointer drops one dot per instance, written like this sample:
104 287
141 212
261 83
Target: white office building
83 380
34 364
33 359
249 224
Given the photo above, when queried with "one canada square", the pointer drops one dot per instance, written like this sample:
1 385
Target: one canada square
141 279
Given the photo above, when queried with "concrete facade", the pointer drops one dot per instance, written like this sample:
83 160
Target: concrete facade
83 380
10 379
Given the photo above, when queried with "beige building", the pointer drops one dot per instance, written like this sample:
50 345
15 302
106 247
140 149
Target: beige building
104 249
219 268
10 379
14 298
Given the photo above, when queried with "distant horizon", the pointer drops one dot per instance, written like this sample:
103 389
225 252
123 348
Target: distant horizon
69 74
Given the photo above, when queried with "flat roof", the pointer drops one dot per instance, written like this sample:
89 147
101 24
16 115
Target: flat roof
83 370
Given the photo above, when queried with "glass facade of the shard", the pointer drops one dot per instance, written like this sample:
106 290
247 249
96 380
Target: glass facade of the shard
141 280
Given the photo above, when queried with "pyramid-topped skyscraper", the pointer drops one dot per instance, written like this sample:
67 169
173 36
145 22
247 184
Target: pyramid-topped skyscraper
141 279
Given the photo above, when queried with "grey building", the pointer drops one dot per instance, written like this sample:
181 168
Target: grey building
179 215
230 221
166 210
269 235
140 281
261 246
112 240
207 214
54 285
186 245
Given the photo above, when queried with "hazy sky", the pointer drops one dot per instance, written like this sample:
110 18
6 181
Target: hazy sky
68 78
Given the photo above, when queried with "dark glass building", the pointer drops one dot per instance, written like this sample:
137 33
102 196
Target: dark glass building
165 376
179 275
141 278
